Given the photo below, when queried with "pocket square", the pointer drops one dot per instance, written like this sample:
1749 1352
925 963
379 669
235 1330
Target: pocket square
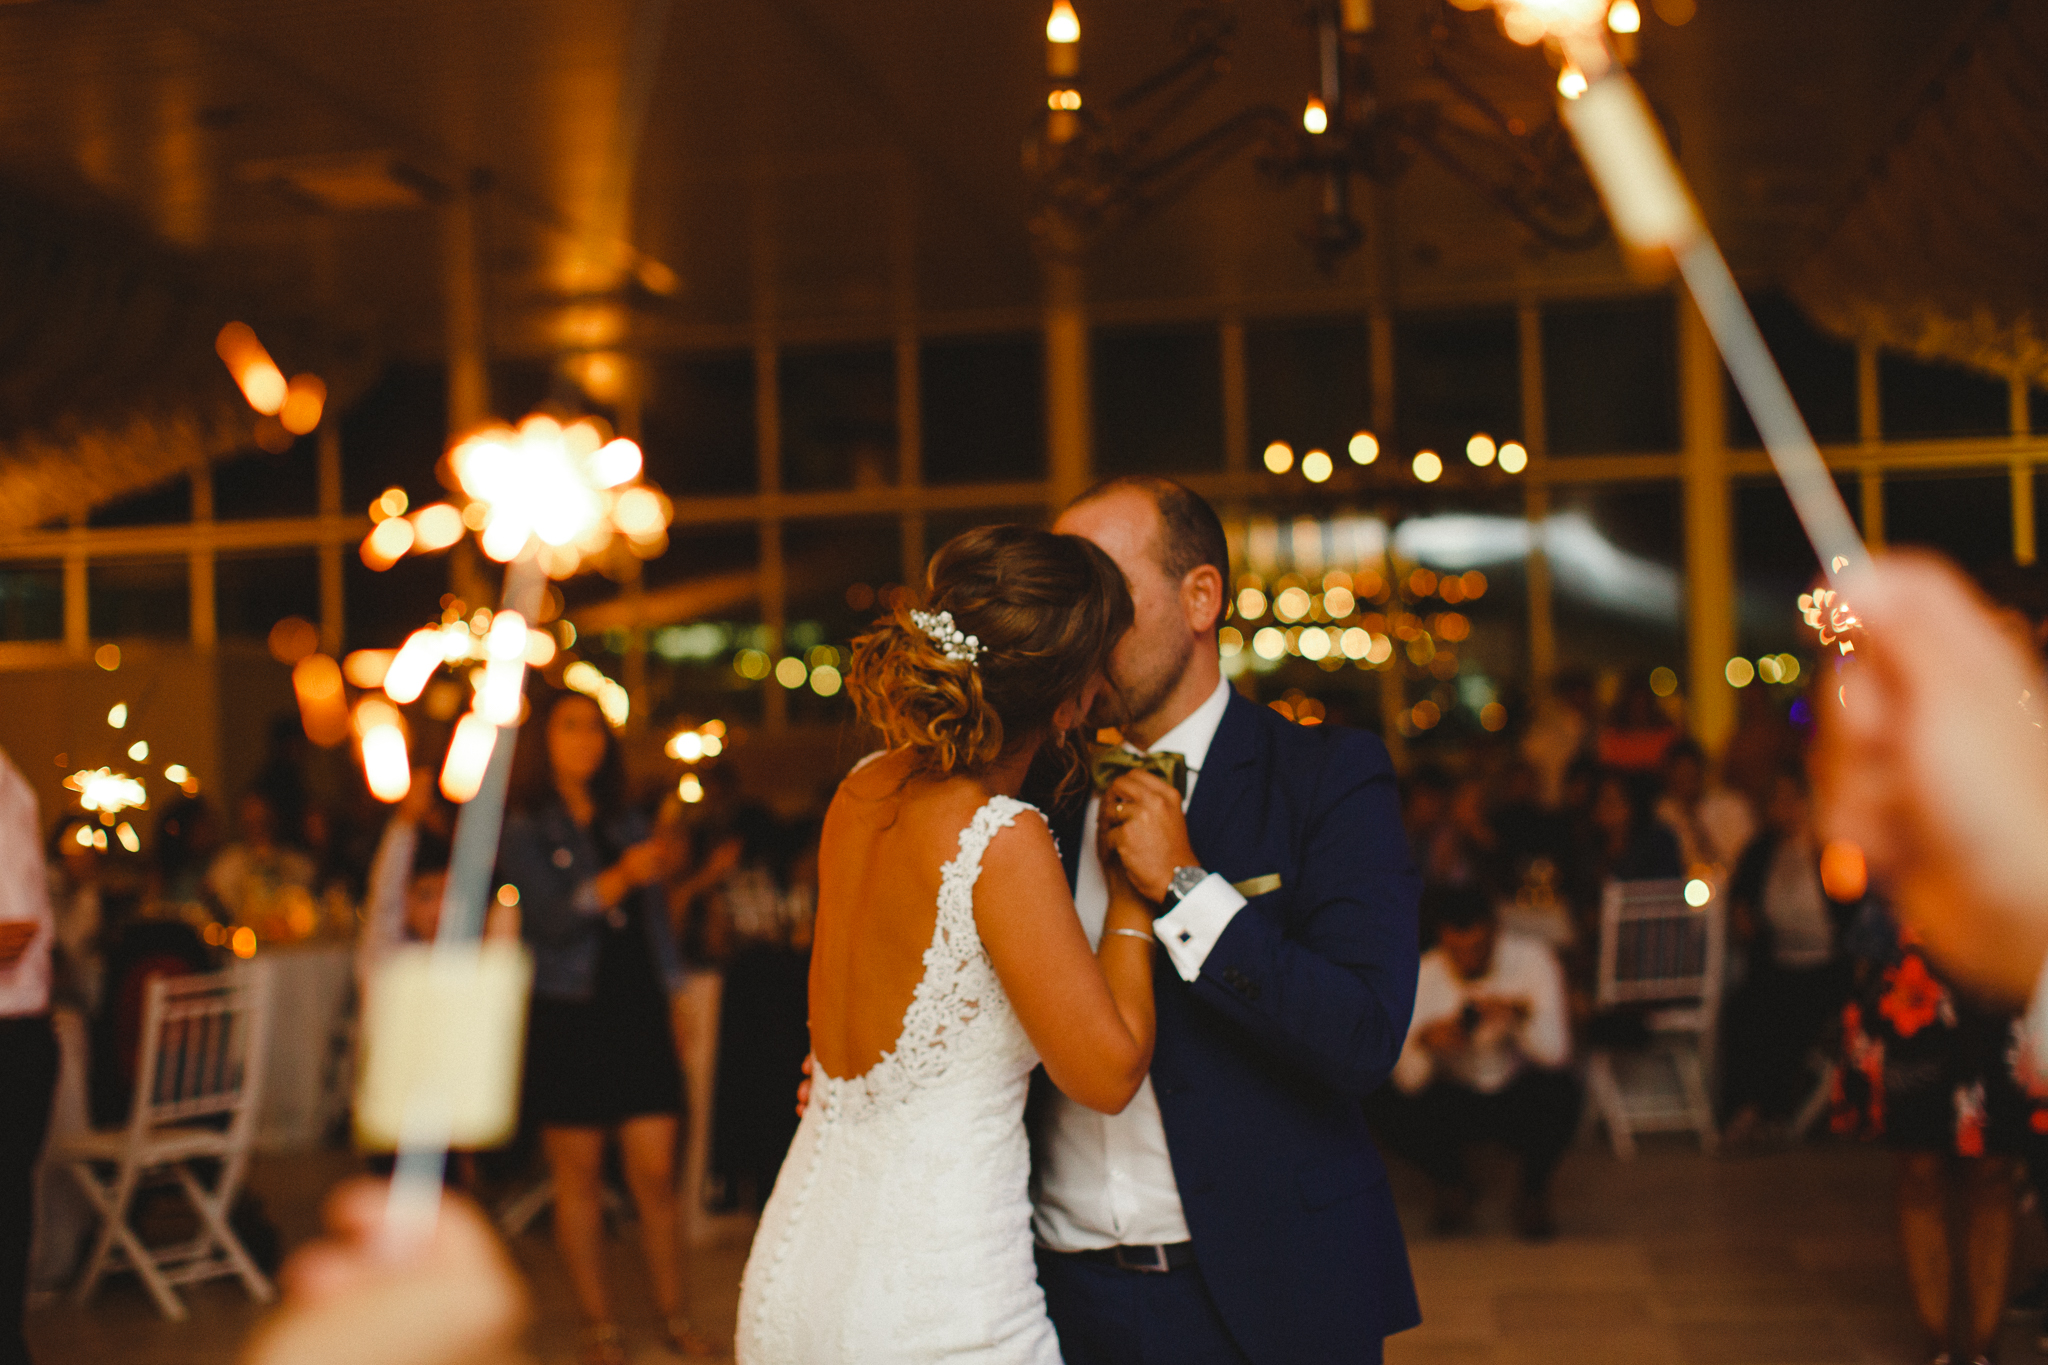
1257 886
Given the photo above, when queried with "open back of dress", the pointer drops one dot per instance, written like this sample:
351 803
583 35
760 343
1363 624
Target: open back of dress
900 1226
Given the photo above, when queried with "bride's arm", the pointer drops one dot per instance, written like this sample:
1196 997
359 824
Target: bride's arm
1088 1014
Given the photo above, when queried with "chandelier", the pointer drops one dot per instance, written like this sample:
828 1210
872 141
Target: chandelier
1099 164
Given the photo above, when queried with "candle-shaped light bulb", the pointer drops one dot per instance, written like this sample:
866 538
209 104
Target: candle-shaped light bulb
1063 40
1315 116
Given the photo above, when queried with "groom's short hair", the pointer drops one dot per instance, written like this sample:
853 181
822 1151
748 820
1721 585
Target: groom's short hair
1190 532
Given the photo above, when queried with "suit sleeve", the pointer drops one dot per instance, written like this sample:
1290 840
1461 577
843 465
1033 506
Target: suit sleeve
1331 990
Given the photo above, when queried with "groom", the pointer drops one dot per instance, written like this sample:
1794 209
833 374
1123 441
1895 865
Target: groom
1236 1211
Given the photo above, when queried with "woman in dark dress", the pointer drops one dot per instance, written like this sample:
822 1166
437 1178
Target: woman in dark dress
1944 1082
601 1054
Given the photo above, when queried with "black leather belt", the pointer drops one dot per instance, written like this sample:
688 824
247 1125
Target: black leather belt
1148 1260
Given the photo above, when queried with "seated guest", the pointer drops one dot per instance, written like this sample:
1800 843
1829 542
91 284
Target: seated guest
255 878
1485 1060
1797 978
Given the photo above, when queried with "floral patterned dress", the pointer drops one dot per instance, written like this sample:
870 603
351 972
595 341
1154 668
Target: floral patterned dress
1925 1069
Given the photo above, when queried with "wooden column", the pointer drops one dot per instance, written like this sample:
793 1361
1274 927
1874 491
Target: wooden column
1709 532
1069 414
2022 474
910 449
77 599
774 581
1237 418
1869 434
205 624
332 619
1536 499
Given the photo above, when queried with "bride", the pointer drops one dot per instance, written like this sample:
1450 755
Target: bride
948 963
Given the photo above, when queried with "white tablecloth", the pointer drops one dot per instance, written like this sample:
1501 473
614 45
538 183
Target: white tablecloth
307 1076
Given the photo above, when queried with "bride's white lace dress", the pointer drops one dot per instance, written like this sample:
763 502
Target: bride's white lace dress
900 1226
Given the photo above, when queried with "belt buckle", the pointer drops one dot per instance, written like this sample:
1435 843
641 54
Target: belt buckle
1155 1265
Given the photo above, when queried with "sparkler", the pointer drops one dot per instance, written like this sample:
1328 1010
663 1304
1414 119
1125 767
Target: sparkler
543 499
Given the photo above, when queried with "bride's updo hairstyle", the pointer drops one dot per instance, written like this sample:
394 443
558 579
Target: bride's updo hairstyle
1044 611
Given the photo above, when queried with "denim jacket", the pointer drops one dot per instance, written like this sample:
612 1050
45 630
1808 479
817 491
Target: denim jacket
555 863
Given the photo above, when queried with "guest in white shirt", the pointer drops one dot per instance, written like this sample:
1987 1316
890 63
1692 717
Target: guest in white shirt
1485 1061
28 1047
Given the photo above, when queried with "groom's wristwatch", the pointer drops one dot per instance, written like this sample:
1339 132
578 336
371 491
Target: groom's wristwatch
1182 885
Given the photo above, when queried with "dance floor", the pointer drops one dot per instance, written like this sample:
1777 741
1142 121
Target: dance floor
1773 1259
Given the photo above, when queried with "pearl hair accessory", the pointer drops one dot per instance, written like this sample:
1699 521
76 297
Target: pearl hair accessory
961 649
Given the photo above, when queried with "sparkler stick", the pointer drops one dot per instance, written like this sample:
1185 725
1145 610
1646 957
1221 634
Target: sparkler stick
1646 198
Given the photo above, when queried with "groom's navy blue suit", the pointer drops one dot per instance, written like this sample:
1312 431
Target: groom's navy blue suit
1299 1012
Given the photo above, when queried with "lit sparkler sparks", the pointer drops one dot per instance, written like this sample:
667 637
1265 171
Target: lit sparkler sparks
107 792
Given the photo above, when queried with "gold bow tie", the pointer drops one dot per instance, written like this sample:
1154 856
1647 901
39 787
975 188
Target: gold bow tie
1114 762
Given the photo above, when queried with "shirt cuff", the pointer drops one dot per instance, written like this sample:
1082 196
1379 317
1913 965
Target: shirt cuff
1191 928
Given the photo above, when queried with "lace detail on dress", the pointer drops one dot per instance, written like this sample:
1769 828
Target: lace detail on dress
899 1230
938 1027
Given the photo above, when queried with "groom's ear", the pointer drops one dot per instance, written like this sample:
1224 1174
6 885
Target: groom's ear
1201 599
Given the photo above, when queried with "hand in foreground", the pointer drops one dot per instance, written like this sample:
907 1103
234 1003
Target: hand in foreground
456 1301
651 860
1928 762
15 936
1143 826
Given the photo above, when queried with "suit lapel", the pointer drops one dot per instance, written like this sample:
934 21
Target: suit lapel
1221 784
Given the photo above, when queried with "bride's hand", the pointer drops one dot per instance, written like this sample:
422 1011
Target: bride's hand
1128 908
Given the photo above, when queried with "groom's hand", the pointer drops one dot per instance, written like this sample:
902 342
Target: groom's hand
1143 825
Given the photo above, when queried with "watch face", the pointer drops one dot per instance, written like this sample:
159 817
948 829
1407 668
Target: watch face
1185 880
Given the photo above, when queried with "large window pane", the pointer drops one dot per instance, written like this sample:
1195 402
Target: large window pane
149 598
252 593
1610 376
1968 517
1158 399
839 418
1820 371
31 601
164 504
1924 399
698 424
383 608
1456 375
983 408
1308 382
256 484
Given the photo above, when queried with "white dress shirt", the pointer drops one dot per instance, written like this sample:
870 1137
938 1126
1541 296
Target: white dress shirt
24 894
1104 1180
1523 968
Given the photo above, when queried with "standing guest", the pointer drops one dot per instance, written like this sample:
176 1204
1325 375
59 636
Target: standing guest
601 1053
1637 731
768 903
249 877
1485 1061
1796 980
1713 824
28 1045
187 837
1928 1071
